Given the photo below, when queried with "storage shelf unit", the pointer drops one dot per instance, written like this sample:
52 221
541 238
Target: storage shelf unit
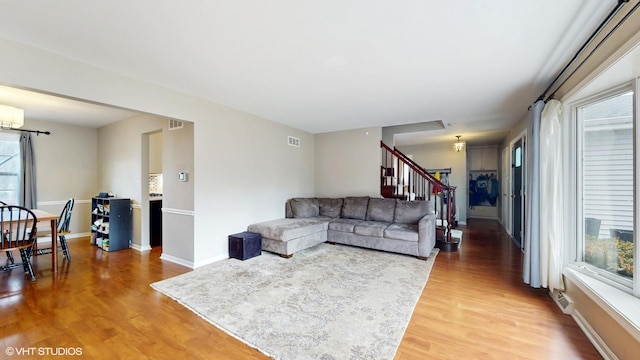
111 223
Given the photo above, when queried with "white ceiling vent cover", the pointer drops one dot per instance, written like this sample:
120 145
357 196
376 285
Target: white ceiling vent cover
293 141
175 124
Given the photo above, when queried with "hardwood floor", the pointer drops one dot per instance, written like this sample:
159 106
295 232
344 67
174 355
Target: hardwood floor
474 306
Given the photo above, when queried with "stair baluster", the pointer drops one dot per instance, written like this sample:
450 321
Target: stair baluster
403 178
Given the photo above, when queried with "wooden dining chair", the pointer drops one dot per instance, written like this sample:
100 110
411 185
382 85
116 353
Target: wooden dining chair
18 229
64 222
9 253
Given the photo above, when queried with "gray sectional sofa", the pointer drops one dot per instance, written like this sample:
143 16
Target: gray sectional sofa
394 225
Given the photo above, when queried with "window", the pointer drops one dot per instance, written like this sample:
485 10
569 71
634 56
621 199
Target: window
605 178
9 167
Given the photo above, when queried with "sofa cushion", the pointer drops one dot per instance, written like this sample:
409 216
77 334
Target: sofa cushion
344 225
406 232
305 207
288 229
410 212
355 207
371 228
381 210
330 207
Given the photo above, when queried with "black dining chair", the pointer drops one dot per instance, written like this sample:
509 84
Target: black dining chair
64 222
9 253
18 229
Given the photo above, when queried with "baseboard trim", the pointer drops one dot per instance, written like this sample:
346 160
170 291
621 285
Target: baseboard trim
177 260
140 248
211 260
593 336
191 264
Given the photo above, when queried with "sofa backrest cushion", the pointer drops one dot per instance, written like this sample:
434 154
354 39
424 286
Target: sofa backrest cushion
331 207
355 207
304 207
381 209
410 212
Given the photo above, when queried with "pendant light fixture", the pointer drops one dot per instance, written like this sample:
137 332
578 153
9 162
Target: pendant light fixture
458 145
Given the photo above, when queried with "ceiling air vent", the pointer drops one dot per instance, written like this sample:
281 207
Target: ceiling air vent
175 124
294 141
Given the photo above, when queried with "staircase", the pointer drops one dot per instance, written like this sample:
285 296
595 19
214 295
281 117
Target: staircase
403 178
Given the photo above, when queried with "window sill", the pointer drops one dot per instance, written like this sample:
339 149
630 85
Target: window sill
619 304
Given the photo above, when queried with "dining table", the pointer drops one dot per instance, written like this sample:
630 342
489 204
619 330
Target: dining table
53 219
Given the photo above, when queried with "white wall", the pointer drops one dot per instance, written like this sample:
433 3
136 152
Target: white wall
178 197
120 152
245 172
442 155
155 153
120 167
347 163
66 167
243 168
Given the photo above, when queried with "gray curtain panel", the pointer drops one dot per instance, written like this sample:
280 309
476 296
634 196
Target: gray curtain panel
28 197
531 272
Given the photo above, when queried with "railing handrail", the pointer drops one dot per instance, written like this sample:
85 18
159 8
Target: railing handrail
415 166
447 190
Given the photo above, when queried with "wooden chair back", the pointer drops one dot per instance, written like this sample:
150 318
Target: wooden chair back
17 226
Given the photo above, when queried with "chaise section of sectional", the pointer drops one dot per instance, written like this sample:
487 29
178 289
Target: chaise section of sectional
287 236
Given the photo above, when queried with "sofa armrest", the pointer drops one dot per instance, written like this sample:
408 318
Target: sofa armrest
426 235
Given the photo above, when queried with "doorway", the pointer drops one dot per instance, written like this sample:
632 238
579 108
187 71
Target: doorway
517 191
155 188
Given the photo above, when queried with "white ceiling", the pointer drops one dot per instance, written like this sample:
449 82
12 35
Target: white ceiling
326 65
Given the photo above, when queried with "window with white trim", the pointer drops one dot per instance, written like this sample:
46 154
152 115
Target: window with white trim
9 167
605 161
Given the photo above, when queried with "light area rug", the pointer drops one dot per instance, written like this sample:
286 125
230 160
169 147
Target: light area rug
326 302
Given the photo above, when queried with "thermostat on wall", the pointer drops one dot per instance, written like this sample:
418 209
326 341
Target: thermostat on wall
182 176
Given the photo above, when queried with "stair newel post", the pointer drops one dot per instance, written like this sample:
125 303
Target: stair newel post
449 219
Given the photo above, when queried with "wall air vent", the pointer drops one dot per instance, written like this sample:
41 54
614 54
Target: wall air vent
175 124
294 141
563 301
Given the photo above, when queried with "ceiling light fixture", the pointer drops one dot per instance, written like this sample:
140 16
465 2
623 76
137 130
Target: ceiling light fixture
458 145
10 117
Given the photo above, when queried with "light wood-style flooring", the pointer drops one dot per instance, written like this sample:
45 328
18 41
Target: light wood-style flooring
474 306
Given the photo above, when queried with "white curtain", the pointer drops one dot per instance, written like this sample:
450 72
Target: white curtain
551 204
531 273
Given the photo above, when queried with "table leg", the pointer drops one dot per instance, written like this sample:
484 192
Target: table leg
54 245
